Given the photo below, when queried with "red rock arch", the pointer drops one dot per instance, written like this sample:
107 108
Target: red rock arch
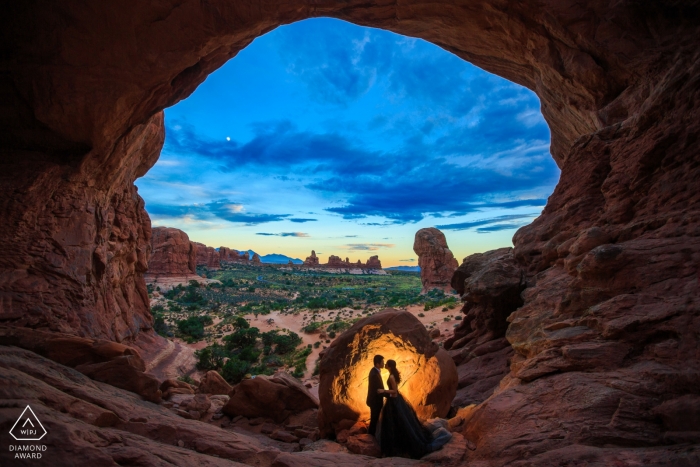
83 86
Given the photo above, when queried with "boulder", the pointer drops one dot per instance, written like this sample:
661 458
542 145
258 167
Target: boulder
172 252
123 372
430 376
284 436
275 397
213 383
437 264
364 444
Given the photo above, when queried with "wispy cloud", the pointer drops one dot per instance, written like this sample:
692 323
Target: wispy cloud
300 220
367 246
284 234
492 220
222 209
408 260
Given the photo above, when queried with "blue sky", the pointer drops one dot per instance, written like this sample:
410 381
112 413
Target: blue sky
329 136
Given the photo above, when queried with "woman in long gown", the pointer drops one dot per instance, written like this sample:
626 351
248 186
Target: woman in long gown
400 432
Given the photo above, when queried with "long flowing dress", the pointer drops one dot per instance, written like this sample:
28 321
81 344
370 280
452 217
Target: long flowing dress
400 432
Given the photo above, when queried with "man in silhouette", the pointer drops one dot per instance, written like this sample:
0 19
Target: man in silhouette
375 401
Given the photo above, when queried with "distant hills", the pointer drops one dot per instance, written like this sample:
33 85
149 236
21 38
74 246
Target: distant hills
404 268
275 258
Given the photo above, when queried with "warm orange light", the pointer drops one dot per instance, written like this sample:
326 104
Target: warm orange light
418 376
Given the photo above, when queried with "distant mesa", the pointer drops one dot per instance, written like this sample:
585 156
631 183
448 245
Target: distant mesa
436 261
172 252
173 258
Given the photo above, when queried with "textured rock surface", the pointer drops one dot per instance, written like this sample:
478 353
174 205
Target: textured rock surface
276 397
172 252
429 376
436 261
490 285
82 90
207 256
312 260
336 262
101 360
101 424
214 383
232 256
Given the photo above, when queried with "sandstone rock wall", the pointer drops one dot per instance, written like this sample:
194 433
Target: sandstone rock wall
436 261
207 256
172 252
76 238
490 284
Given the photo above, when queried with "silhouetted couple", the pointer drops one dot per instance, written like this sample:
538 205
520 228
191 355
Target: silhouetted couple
394 423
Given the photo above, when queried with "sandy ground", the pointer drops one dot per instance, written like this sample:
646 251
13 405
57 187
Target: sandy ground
433 318
168 282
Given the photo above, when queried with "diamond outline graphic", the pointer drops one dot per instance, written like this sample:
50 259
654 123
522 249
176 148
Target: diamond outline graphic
20 418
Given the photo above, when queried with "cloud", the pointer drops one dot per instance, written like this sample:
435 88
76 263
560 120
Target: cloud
488 221
350 236
401 187
284 234
222 209
301 220
367 246
443 138
407 260
498 227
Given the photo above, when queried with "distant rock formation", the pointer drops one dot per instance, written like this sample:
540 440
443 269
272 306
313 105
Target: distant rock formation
207 256
335 262
227 255
172 252
436 261
311 260
256 259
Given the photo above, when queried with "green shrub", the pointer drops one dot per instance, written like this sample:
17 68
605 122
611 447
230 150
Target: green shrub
312 327
421 315
242 338
234 370
192 326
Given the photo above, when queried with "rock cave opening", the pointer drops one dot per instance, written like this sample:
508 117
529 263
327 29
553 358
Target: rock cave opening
604 367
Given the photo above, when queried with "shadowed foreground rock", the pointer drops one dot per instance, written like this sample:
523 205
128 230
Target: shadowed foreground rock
103 425
490 285
429 377
275 397
436 261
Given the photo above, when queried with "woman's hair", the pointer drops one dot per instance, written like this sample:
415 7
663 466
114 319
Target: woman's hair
391 366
